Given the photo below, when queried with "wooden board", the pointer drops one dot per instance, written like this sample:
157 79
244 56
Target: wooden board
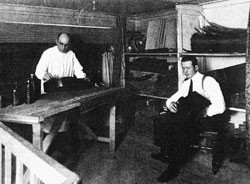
247 91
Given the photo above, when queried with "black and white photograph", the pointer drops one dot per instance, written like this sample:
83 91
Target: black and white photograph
124 91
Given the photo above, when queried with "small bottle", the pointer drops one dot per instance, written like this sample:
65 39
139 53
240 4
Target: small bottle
15 97
32 88
27 92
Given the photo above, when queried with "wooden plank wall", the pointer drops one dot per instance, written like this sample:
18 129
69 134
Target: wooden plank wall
28 33
29 24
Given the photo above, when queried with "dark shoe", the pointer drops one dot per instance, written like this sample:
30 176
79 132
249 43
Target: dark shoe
169 174
160 156
216 167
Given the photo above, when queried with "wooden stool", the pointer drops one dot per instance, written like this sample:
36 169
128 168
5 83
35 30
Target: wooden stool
207 140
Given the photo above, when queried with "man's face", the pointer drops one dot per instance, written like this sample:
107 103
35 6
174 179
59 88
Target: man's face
63 43
188 69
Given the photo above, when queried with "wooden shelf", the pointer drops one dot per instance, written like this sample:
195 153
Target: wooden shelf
236 109
151 96
214 54
189 54
151 54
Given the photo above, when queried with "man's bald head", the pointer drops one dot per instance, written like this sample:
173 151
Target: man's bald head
62 42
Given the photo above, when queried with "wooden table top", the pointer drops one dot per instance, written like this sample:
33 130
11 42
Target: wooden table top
54 103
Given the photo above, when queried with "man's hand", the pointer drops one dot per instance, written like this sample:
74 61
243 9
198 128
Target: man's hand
165 108
87 79
173 107
47 77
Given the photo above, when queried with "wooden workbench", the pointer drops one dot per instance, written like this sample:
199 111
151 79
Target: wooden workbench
59 103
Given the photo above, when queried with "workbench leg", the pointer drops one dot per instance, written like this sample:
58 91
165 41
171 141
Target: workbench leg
112 128
37 136
47 141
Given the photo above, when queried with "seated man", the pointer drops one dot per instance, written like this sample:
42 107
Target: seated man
181 124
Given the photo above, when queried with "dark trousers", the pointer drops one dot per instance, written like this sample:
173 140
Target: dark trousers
175 134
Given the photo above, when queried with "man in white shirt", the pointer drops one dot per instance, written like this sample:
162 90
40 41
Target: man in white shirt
55 63
58 62
175 131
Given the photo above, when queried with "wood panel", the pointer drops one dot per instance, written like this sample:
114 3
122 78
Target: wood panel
55 16
119 63
28 33
32 24
247 92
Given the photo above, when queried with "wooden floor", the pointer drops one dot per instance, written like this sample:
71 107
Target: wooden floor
132 164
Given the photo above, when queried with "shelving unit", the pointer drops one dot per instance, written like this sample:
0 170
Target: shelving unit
214 54
187 17
176 20
152 96
149 93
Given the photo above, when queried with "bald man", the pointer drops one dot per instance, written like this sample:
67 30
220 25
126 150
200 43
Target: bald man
55 63
59 61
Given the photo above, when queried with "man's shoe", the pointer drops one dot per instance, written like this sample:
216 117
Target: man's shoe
169 174
160 156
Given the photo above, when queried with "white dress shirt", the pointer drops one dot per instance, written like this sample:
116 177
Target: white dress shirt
211 90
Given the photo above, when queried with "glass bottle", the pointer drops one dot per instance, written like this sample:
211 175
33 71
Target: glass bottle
15 98
32 88
27 92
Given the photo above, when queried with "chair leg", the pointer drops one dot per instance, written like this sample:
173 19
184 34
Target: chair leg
218 155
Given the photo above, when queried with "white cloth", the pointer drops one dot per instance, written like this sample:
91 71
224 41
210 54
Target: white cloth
211 90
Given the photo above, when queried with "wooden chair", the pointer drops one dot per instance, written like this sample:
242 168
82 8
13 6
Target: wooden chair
21 162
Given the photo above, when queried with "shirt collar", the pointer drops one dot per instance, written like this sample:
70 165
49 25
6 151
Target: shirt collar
196 75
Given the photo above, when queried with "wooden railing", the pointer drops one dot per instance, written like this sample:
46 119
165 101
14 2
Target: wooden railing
21 162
